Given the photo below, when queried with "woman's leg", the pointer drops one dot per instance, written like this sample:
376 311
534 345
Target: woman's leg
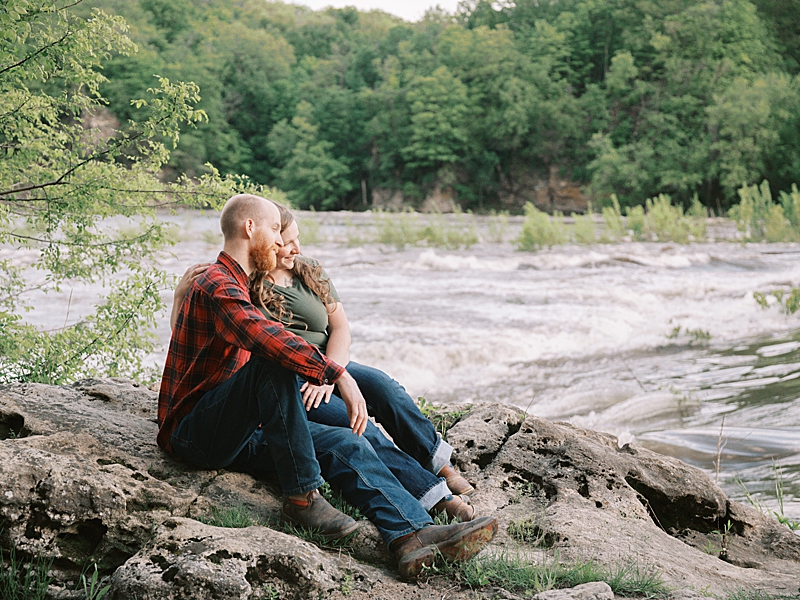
394 409
423 485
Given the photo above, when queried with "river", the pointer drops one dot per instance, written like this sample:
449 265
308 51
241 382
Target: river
653 342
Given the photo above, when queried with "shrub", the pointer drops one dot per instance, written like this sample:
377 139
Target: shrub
612 216
584 229
541 231
636 221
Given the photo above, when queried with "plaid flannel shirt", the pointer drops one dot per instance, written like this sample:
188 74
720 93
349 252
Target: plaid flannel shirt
217 329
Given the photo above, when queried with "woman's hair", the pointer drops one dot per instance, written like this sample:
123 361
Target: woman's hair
309 272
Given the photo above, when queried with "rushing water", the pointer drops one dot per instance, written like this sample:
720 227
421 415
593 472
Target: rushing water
656 343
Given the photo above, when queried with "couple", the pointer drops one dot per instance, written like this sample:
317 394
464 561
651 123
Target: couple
230 397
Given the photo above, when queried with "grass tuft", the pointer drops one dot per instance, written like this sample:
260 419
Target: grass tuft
239 516
23 581
516 571
441 418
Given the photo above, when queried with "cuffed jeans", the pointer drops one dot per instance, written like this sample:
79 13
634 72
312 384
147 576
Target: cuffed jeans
394 409
215 435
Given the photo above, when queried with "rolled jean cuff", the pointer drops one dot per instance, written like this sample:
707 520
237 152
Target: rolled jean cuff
433 495
440 457
302 489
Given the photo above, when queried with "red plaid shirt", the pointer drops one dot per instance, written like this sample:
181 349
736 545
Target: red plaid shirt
217 329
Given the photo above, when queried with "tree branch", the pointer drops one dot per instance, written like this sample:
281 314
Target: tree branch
60 181
79 245
35 54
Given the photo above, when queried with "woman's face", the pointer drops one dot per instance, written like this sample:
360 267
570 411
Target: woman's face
291 246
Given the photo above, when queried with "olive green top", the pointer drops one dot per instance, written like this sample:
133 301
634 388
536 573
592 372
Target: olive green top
309 316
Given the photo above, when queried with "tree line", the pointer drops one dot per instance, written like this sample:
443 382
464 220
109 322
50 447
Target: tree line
636 98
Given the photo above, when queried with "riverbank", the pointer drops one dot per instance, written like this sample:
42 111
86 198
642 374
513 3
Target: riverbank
651 342
83 481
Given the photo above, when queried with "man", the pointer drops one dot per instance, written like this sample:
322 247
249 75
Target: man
229 398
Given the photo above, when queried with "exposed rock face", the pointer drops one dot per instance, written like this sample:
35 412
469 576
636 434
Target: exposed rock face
82 480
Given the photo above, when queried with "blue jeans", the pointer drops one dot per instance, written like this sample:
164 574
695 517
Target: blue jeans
423 485
220 425
394 409
215 435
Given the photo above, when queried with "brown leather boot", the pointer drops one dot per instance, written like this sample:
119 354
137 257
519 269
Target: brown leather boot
457 542
455 508
319 515
457 484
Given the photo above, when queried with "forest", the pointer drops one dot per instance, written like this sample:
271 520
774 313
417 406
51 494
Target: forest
344 109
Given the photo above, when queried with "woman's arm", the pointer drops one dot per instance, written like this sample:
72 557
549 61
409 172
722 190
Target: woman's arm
184 284
338 350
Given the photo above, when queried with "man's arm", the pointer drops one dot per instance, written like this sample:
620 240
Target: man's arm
240 324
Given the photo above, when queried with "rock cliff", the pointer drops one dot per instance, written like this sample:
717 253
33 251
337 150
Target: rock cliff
82 481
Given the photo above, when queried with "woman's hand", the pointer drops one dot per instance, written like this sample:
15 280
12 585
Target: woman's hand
313 395
184 284
188 278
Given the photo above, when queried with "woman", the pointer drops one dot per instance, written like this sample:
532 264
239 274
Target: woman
299 294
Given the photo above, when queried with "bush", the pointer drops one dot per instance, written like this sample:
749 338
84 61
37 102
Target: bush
584 230
612 216
636 221
540 230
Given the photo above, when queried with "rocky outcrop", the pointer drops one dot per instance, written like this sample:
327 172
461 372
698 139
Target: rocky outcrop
82 481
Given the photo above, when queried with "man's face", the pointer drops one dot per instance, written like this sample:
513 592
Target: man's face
266 239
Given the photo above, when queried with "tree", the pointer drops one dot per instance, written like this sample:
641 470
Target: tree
62 180
314 178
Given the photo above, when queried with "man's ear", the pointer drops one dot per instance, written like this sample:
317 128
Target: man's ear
249 228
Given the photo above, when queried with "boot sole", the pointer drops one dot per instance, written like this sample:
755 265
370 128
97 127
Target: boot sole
460 547
469 542
328 537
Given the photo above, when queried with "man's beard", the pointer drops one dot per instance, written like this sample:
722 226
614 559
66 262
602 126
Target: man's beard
264 256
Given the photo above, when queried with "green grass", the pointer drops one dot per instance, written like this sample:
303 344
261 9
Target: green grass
23 581
232 517
745 594
789 302
539 230
239 516
441 418
408 229
517 572
778 515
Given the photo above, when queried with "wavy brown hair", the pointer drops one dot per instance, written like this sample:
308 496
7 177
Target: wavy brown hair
307 270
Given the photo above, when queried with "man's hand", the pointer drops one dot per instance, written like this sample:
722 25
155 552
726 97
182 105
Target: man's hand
313 395
356 405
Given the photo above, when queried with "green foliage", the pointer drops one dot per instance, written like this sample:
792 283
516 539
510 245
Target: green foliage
94 587
336 500
235 517
240 516
441 418
404 228
584 230
539 230
527 531
612 217
636 221
789 303
23 581
516 571
681 98
752 212
779 514
82 200
498 226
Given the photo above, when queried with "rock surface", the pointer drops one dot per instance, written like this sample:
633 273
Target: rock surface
82 481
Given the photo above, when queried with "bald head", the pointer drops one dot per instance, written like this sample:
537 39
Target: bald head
243 207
